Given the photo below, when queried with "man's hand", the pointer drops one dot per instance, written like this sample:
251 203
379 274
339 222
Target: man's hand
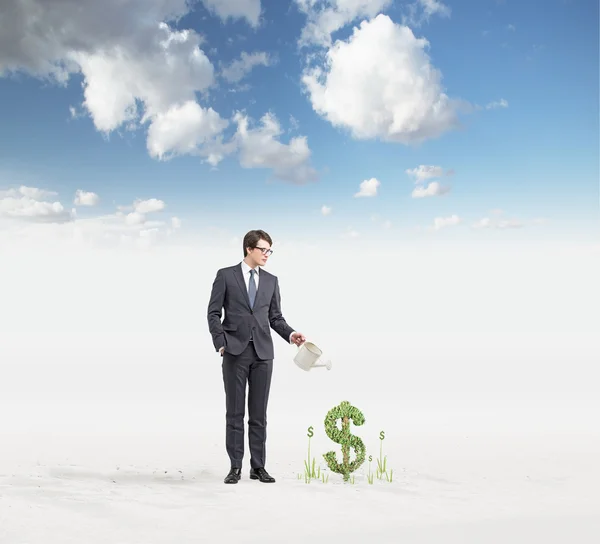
298 338
221 350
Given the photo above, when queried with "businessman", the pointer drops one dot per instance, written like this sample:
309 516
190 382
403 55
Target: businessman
252 303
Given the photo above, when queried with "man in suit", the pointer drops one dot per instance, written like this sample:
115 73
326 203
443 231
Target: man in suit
252 303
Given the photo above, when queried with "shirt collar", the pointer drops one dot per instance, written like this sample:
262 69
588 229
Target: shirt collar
246 269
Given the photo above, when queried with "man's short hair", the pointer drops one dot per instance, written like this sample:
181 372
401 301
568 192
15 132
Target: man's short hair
253 237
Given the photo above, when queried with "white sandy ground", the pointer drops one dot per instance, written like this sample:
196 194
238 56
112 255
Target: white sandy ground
446 489
481 367
479 488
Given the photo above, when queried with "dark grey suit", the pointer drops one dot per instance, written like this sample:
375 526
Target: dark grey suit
245 334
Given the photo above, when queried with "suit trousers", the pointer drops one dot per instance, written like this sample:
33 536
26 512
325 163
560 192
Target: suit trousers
239 371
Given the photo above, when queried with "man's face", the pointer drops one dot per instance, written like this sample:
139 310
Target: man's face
260 254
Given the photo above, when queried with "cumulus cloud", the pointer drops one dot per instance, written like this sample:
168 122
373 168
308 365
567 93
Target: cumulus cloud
148 206
421 174
25 218
424 172
85 198
239 68
380 84
502 103
28 204
138 71
184 129
141 72
324 17
136 68
422 10
326 210
433 189
368 188
259 147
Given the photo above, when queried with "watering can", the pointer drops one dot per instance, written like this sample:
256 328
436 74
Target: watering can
307 356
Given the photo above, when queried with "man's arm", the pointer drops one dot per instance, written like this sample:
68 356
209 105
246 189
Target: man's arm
276 319
215 311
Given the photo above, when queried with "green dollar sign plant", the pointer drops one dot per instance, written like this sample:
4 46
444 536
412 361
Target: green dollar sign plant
310 470
382 461
346 412
370 476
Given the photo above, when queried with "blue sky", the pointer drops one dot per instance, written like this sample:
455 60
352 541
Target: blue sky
525 141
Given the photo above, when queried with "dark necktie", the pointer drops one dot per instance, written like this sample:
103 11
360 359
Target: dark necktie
252 288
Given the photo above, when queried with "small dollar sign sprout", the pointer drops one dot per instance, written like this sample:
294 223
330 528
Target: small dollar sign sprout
346 412
382 461
309 472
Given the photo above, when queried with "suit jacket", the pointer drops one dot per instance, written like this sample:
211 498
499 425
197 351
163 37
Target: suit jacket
229 292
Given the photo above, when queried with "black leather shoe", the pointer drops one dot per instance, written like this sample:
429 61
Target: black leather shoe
234 476
262 475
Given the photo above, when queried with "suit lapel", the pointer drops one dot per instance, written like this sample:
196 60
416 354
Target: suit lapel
239 276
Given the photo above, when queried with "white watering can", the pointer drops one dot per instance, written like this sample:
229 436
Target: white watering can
307 356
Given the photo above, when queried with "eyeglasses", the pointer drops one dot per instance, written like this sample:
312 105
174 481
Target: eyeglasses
265 250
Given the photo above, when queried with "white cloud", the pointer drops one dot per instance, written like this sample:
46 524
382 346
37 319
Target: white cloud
434 7
183 129
148 206
135 218
141 208
324 17
140 72
24 219
236 9
137 70
34 210
239 68
260 148
85 198
502 103
326 210
442 222
27 204
424 172
368 188
39 35
33 193
380 84
433 189
421 11
160 68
